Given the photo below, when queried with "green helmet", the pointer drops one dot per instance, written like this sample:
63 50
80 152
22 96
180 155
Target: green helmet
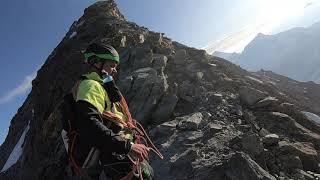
102 51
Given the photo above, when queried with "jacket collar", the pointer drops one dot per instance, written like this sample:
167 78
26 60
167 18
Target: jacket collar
93 76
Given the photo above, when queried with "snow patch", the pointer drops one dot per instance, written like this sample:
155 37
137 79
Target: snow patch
17 151
312 117
80 23
271 82
73 35
211 64
254 79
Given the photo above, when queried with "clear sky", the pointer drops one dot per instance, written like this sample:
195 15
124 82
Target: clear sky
31 29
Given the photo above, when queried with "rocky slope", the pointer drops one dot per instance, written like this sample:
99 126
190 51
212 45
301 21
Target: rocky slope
294 53
210 118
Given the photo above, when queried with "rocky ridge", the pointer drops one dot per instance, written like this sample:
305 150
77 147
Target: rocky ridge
210 118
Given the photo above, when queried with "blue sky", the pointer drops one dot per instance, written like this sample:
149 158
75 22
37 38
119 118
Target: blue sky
31 29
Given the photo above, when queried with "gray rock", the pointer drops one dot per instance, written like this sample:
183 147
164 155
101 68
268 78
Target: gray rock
305 151
215 98
199 75
193 68
212 129
125 84
306 175
182 168
159 62
147 90
241 166
249 96
289 162
251 120
165 108
190 122
180 56
206 115
189 137
252 144
164 130
244 128
263 132
276 122
271 139
186 91
267 102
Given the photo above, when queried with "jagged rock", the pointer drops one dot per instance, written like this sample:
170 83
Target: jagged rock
252 144
189 137
164 130
212 129
276 122
190 122
250 96
182 168
289 162
244 128
206 115
147 88
180 57
263 132
305 151
165 108
159 62
267 102
251 120
186 91
304 175
271 139
241 166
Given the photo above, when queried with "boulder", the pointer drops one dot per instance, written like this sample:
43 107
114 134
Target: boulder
289 162
214 128
249 96
146 92
275 122
271 139
190 122
164 130
252 144
165 108
181 168
305 151
241 166
267 102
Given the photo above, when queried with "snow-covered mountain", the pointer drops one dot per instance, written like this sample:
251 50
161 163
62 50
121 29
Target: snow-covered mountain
294 53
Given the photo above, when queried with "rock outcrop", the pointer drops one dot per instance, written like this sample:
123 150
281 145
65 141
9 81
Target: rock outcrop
207 117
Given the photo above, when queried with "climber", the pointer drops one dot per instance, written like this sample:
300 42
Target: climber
103 122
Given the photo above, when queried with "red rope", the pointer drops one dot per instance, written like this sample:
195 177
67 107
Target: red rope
141 134
72 160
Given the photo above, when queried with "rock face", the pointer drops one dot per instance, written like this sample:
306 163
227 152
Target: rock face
207 117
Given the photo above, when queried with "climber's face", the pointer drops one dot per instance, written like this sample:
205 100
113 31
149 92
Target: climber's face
110 67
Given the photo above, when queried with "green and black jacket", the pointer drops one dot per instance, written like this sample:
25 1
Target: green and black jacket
92 98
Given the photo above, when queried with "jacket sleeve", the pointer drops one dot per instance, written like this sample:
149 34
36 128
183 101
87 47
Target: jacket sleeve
90 127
